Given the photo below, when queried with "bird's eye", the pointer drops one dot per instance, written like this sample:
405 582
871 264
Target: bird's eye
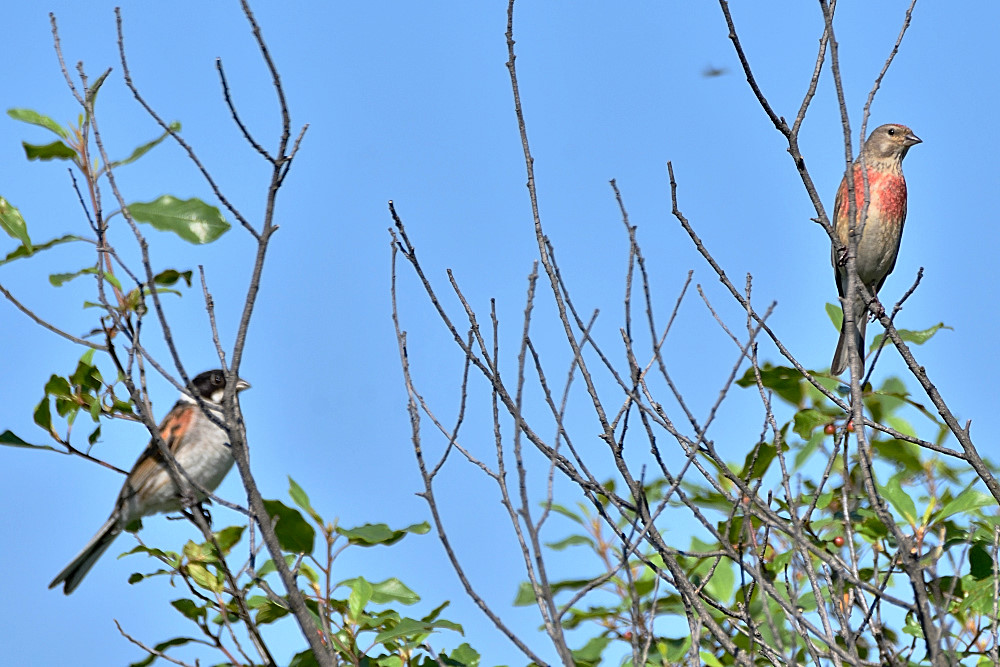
218 379
892 131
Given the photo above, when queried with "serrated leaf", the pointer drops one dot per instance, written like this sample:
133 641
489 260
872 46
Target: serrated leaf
146 147
191 219
35 118
293 532
57 150
8 438
13 223
28 251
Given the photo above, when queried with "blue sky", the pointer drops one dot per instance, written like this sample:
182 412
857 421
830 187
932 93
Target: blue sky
411 102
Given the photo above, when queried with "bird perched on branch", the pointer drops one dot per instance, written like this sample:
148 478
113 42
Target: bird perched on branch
201 449
879 232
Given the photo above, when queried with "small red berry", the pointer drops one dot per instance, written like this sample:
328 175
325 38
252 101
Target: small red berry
830 429
838 541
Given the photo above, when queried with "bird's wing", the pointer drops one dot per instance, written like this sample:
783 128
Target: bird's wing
149 467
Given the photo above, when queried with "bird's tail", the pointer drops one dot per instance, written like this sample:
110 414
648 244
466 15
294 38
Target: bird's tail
74 573
840 358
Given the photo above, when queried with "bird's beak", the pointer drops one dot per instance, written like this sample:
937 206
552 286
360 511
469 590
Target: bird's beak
912 139
242 384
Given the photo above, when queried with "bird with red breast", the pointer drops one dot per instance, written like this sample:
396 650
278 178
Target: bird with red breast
878 233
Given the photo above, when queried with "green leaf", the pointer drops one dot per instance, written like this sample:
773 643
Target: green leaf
710 660
8 438
57 386
43 415
966 500
57 150
270 612
720 586
191 219
60 279
910 336
189 608
13 223
411 626
160 648
590 653
785 381
203 577
35 118
361 594
293 532
390 590
462 655
758 460
980 562
807 420
836 314
304 659
171 276
526 594
566 512
96 86
145 148
570 541
379 533
299 497
899 499
28 251
229 537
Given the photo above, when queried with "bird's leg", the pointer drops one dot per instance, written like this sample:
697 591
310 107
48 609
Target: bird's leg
199 507
842 255
875 308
